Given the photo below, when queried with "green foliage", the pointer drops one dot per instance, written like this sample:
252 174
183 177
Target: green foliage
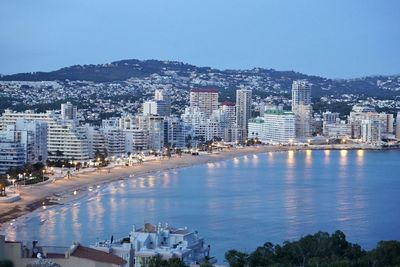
6 263
206 264
320 249
34 170
386 254
159 262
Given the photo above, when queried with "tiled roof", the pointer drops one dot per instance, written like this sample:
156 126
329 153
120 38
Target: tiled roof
97 255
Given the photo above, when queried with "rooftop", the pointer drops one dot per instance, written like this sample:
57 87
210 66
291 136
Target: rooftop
97 255
204 90
278 112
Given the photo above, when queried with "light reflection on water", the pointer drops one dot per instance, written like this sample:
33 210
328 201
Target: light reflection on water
255 198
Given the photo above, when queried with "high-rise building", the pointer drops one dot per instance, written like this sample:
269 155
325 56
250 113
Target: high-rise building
115 141
243 109
398 126
12 154
301 106
205 99
229 111
37 133
303 115
371 131
136 140
157 107
154 125
174 132
301 93
68 111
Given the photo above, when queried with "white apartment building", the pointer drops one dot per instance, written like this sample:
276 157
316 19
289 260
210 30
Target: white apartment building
174 132
65 139
338 129
158 240
115 141
329 118
154 125
204 99
13 151
277 126
96 141
68 111
136 140
156 107
360 113
371 131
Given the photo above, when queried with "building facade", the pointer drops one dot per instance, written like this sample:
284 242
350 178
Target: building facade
204 99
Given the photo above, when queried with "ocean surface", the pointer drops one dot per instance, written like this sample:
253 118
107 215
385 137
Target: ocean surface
241 203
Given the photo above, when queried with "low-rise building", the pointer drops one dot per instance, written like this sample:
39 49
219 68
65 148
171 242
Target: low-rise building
157 240
74 256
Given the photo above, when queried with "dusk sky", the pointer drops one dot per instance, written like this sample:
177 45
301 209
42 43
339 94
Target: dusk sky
333 38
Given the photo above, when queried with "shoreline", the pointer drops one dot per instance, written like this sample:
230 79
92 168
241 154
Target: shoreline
63 191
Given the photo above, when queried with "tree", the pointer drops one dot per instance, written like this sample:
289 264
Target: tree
236 258
6 263
386 254
206 264
3 186
157 261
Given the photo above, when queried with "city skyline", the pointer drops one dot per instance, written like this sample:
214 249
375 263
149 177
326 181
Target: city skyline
334 40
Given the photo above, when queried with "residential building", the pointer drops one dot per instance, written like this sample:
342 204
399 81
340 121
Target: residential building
158 240
157 107
12 154
68 111
371 131
337 129
276 126
115 141
76 255
204 99
96 141
301 93
243 109
174 132
303 114
65 139
154 125
136 140
329 118
398 126
37 131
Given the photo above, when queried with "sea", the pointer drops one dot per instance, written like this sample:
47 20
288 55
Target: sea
239 203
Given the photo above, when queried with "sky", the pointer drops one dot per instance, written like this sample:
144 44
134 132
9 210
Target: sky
330 38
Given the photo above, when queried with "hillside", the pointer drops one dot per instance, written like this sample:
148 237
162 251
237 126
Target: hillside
259 79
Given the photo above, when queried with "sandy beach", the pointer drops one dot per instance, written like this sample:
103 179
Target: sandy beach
62 190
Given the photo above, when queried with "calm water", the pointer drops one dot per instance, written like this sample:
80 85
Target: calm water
243 202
